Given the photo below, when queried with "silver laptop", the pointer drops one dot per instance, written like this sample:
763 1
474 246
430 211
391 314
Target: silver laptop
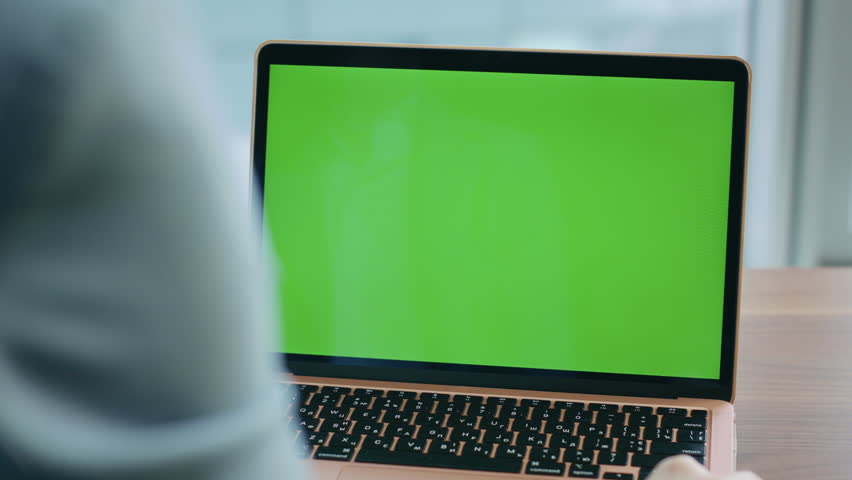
503 263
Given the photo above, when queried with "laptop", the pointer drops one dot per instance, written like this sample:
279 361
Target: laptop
503 263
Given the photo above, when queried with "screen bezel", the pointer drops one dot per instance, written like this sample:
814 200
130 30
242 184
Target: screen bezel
730 69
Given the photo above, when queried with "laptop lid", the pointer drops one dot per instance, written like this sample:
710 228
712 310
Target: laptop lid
517 219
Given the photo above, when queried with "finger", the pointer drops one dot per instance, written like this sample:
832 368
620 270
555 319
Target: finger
681 467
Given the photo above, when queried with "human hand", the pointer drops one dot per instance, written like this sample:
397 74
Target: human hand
684 467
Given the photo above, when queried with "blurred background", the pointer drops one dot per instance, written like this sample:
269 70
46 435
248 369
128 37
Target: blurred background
799 203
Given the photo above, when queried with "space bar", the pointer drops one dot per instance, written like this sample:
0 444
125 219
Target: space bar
510 465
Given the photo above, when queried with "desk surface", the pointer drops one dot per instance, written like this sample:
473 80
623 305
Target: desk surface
794 385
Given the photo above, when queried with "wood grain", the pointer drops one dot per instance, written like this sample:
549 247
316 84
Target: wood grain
794 388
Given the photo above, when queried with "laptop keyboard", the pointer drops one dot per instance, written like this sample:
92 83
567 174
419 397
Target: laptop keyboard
496 434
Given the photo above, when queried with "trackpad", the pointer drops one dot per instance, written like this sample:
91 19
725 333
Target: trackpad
390 473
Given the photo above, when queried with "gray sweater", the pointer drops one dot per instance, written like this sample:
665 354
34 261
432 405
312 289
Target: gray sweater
135 319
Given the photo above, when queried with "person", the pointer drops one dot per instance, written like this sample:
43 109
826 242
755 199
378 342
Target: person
135 308
135 317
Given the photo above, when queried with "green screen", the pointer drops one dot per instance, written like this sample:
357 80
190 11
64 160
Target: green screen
520 220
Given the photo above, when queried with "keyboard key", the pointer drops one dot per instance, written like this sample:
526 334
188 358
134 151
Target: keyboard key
528 402
603 407
334 453
691 435
623 431
400 394
640 420
435 397
597 443
659 434
295 398
532 439
480 410
580 456
292 401
514 412
505 401
671 411
303 450
569 405
637 409
398 417
415 445
435 433
494 424
308 424
308 411
368 428
668 448
388 404
564 441
612 418
368 392
635 446
307 388
429 419
450 407
419 406
526 425
335 390
477 449
591 430
443 448
350 401
545 413
580 416
472 399
699 413
645 473
559 427
617 476
344 440
511 451
544 467
335 425
462 421
498 436
583 470
612 458
646 461
684 422
334 412
465 435
400 430
366 414
326 399
316 438
377 443
501 464
545 454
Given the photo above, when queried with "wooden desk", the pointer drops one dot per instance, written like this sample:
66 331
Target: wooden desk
794 386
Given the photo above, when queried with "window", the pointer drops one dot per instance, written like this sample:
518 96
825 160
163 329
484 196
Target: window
233 30
767 33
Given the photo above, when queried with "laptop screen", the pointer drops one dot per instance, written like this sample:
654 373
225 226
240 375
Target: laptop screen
558 222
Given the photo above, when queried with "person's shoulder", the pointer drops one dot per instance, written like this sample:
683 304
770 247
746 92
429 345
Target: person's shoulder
45 30
19 12
41 42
